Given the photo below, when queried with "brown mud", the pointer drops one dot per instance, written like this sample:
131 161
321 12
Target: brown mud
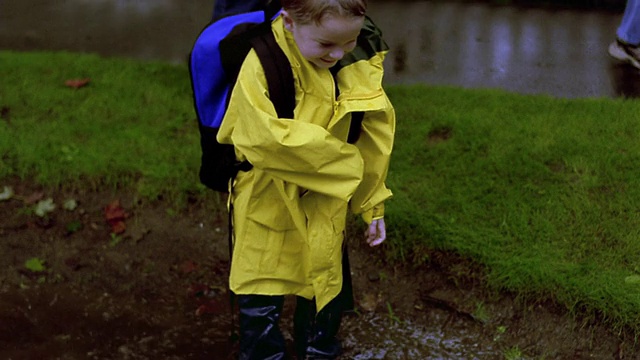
158 291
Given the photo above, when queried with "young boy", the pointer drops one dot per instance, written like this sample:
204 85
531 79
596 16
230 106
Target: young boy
290 209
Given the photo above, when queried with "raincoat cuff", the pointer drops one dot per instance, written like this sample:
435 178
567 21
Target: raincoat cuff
375 213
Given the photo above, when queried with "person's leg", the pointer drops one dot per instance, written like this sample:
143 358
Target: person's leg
303 320
260 336
626 47
316 333
629 29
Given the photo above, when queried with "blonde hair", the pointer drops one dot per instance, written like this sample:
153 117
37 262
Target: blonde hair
313 11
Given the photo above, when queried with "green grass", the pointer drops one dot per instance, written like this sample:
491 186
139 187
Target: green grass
133 125
544 192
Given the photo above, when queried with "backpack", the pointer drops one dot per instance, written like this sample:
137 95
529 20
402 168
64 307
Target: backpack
214 63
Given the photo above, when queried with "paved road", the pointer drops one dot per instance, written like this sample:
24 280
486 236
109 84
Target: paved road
526 50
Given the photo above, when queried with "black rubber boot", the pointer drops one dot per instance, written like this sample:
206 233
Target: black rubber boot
260 336
315 334
303 320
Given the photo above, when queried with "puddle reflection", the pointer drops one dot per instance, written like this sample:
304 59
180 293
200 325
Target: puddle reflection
526 50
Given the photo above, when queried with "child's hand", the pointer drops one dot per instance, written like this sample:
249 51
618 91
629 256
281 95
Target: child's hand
376 233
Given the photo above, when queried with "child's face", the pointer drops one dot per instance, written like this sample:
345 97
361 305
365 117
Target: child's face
326 43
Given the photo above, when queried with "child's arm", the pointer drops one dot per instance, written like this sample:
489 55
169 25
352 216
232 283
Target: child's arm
375 144
297 152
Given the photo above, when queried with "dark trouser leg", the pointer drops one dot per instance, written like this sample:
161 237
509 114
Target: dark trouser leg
315 334
260 336
303 324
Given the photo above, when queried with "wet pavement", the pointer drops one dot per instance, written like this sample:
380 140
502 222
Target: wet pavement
521 49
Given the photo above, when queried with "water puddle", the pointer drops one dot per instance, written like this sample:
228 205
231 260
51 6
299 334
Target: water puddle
526 50
376 337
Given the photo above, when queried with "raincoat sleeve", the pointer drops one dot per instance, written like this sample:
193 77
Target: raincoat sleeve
375 144
295 151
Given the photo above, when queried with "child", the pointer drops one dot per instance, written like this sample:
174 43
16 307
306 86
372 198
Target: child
289 210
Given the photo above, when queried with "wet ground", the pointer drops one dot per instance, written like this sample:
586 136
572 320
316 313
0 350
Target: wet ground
70 290
533 50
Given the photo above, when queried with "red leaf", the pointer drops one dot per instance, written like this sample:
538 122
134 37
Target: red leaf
115 216
118 228
114 212
77 83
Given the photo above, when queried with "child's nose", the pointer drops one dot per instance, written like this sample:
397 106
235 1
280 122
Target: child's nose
336 53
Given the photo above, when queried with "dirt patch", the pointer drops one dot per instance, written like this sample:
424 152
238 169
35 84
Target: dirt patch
158 290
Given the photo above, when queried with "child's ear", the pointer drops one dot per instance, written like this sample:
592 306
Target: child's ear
288 20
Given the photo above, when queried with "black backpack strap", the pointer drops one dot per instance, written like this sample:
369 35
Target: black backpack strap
277 69
355 127
278 72
271 8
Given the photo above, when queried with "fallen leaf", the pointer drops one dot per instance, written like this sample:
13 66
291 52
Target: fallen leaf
35 265
43 207
77 83
114 212
6 194
115 216
118 227
70 204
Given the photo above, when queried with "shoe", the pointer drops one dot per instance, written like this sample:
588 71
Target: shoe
625 52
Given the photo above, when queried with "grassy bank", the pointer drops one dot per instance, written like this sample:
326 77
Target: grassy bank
131 125
542 191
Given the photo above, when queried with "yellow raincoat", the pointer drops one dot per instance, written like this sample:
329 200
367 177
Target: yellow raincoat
290 209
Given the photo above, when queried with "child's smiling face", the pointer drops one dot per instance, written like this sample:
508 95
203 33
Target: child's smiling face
325 43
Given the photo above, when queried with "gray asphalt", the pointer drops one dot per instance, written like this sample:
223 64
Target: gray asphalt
527 50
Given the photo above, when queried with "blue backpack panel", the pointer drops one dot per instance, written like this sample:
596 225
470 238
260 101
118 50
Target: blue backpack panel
214 63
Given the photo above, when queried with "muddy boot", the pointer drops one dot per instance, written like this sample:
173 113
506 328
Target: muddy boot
315 334
260 336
